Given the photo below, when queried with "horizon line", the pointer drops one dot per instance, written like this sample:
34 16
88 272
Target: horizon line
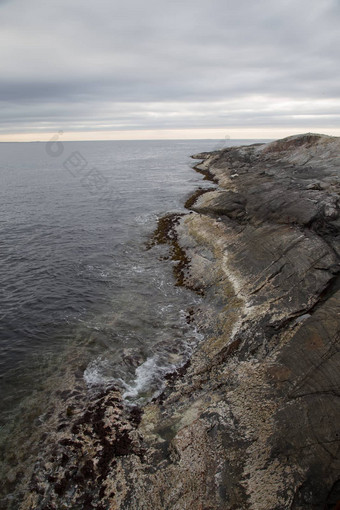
226 134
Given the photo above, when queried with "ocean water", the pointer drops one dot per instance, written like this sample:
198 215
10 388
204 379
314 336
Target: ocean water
79 291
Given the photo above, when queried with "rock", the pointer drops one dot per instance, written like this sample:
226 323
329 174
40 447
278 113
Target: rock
227 203
251 423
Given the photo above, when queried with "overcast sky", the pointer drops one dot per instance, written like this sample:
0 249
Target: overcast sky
90 68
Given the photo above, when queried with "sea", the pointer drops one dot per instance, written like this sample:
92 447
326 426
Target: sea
80 292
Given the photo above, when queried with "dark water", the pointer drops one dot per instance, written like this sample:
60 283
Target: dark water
74 272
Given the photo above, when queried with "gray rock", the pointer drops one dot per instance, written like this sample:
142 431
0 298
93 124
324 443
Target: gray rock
252 422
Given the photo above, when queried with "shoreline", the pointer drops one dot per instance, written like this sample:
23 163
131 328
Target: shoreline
249 421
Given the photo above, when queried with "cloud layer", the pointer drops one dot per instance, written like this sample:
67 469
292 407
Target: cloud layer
80 65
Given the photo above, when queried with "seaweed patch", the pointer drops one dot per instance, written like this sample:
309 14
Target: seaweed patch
166 233
192 199
208 176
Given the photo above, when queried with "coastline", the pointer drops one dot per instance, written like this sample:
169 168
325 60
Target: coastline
250 420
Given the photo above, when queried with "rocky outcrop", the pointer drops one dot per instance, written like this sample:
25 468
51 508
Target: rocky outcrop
252 421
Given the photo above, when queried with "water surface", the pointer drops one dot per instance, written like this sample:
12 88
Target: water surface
79 293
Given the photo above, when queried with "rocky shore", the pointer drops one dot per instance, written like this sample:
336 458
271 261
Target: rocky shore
252 420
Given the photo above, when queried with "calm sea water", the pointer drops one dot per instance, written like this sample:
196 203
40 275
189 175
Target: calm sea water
75 276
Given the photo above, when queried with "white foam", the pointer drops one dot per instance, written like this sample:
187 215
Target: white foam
138 269
166 308
145 218
97 271
148 375
94 375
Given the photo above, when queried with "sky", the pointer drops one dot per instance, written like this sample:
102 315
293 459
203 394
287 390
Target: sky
85 69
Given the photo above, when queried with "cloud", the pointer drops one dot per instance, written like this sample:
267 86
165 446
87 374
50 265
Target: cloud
83 65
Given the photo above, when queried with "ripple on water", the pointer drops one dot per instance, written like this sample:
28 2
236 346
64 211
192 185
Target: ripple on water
83 304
